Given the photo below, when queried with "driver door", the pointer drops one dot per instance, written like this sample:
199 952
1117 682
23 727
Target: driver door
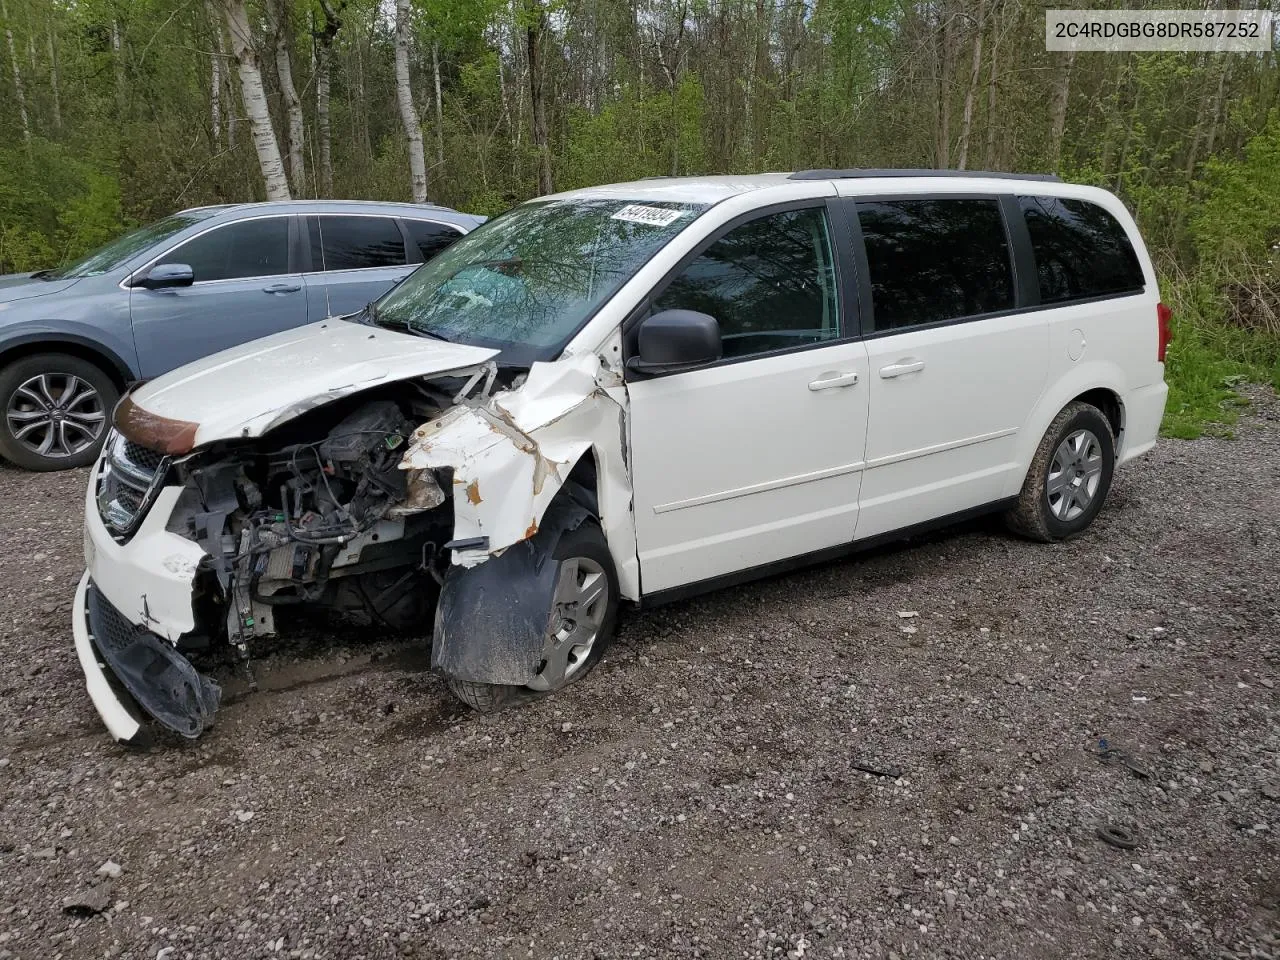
756 458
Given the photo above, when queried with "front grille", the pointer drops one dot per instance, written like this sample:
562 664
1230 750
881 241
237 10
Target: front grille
128 481
112 632
141 457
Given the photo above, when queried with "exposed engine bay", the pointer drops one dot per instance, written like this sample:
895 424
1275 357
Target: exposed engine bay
314 516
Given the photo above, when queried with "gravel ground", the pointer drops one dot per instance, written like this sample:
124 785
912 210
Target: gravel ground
703 793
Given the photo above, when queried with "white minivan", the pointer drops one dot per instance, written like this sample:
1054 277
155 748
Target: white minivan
627 393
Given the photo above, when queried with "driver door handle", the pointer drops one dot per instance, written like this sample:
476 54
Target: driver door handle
901 368
832 379
282 288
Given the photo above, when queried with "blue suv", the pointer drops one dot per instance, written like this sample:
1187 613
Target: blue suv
197 282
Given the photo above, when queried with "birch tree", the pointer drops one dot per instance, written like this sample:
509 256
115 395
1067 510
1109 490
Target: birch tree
408 112
255 101
18 93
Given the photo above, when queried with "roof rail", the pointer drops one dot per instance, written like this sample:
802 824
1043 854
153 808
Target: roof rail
857 173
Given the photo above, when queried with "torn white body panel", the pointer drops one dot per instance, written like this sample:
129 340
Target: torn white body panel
510 454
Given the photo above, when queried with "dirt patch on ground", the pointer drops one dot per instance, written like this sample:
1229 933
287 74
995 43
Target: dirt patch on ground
705 792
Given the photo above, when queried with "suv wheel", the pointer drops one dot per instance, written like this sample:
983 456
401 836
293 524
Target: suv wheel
1069 477
584 612
56 411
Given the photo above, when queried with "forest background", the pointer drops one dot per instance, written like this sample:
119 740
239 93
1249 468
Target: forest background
114 113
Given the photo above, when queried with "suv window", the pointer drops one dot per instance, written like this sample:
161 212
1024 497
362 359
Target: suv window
1081 250
355 243
932 260
250 248
770 283
431 237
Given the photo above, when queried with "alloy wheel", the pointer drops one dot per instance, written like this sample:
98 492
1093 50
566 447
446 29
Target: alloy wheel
56 415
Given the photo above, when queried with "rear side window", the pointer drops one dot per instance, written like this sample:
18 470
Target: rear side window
1081 250
430 237
355 243
933 260
250 248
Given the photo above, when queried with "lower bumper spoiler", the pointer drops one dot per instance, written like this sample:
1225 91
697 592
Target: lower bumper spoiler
127 667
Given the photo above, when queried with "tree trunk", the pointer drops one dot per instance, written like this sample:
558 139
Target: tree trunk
215 80
946 61
971 92
408 112
537 26
992 160
1215 113
117 62
289 94
255 101
1061 97
324 58
18 92
435 71
55 81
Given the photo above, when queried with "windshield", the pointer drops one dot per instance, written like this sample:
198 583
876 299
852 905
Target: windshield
528 280
122 249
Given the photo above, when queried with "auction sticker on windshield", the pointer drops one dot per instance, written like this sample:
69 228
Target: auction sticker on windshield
654 216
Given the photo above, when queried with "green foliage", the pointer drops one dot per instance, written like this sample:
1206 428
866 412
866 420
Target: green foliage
1208 358
1238 220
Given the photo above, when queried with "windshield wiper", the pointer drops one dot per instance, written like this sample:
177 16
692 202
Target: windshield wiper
417 332
43 275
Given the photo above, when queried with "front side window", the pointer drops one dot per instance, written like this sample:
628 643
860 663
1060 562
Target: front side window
122 249
933 260
1081 250
250 248
525 282
431 237
770 283
355 243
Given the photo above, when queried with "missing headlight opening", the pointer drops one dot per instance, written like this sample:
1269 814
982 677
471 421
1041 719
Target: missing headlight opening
365 505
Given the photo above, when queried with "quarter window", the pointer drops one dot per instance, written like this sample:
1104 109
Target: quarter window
1081 250
430 237
771 284
355 243
933 260
250 248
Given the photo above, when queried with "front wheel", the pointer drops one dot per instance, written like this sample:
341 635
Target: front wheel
56 411
1069 477
584 611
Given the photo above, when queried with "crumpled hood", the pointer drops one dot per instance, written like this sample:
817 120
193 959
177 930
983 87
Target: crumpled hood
20 286
247 390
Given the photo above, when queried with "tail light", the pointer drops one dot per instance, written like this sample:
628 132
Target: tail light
1163 316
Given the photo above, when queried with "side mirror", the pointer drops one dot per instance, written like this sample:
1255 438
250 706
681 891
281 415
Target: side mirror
166 275
675 340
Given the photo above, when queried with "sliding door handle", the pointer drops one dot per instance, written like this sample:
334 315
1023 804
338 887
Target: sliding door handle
901 368
833 379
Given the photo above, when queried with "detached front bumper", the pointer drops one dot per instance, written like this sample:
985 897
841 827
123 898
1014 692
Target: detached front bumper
131 607
116 709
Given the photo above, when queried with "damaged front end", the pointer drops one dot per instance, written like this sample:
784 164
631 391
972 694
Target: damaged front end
370 505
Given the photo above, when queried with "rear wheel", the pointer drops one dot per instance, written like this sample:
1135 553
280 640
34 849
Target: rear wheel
56 411
579 629
1069 477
